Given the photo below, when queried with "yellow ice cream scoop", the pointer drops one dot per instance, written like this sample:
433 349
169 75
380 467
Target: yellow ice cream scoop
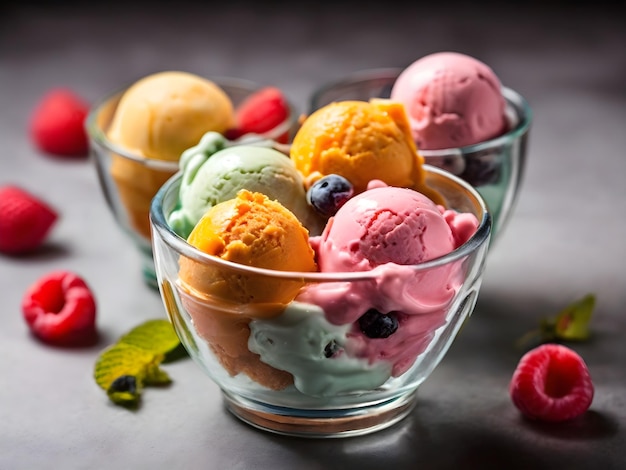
254 231
157 118
361 141
165 113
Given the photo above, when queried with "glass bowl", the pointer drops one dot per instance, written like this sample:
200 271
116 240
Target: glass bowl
494 167
281 365
130 181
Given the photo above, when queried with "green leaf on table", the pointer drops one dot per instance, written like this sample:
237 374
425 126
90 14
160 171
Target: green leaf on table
133 362
120 371
570 324
157 336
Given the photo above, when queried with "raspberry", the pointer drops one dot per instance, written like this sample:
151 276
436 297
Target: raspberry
261 112
25 220
57 124
59 308
551 383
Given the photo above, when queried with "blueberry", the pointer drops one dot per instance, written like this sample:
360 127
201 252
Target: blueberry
124 383
331 349
374 324
483 168
329 193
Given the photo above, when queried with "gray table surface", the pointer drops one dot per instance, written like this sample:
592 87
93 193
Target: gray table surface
565 239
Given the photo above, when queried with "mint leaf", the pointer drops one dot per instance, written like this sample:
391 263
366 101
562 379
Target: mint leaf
570 324
124 368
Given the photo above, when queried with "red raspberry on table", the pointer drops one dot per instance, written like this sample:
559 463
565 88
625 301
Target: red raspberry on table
551 383
261 112
58 124
59 308
25 220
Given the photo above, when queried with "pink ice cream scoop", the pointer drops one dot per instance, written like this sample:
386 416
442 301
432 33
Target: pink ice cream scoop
452 100
395 314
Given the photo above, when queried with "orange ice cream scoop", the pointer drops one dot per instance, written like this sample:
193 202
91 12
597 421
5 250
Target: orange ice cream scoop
226 334
361 141
255 231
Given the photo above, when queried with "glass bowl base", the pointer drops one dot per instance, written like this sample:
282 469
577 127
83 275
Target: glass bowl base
332 423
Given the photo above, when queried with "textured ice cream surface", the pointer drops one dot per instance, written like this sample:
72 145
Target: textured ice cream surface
165 113
303 342
452 100
389 225
386 230
250 230
361 141
214 173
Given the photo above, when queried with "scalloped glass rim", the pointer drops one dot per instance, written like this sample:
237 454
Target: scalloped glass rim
180 245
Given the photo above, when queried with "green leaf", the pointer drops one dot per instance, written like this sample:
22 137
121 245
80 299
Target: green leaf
120 371
133 362
154 375
572 323
156 336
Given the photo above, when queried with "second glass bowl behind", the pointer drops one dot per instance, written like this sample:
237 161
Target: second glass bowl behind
494 167
129 181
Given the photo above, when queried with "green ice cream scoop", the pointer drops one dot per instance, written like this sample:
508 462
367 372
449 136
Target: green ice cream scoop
214 172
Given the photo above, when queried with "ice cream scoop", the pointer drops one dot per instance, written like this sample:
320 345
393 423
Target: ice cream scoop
303 342
384 225
452 100
164 114
361 141
255 231
158 117
213 173
251 230
388 229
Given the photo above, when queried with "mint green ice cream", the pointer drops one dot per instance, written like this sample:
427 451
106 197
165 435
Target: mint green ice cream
215 170
302 342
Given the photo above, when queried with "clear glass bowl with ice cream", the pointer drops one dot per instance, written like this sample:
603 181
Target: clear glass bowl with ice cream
462 119
138 133
317 302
